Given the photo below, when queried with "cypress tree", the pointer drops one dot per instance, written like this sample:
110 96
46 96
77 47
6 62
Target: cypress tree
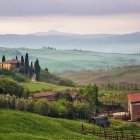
26 64
31 70
37 69
3 58
16 57
22 61
22 65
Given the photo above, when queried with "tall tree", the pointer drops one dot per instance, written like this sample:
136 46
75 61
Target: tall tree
31 70
22 65
91 94
16 57
26 64
22 61
3 58
37 69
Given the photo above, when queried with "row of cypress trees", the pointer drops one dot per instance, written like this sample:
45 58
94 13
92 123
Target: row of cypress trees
31 69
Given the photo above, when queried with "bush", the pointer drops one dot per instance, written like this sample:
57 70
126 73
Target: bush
4 73
21 104
57 109
42 107
9 86
81 109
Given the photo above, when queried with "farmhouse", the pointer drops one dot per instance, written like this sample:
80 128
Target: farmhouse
52 95
10 64
134 106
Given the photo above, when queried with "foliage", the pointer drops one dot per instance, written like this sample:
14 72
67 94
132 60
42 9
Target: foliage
46 76
65 95
91 94
9 86
3 58
57 109
37 69
42 107
10 74
81 109
26 64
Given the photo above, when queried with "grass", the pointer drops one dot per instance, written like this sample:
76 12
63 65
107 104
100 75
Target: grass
48 77
128 74
15 125
40 86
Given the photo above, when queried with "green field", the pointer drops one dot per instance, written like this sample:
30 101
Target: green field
128 74
15 125
40 86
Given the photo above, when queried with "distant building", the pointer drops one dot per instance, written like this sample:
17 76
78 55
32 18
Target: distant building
13 63
134 106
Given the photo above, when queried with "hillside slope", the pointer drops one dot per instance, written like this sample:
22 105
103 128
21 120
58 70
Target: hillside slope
129 74
15 125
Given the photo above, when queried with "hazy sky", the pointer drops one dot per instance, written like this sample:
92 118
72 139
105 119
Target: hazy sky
75 16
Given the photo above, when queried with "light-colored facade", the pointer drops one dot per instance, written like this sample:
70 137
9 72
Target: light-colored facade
9 64
134 106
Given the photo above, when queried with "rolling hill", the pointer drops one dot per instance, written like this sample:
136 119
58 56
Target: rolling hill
128 74
59 61
15 125
109 43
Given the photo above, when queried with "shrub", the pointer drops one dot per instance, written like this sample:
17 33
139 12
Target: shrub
21 104
57 109
30 105
9 86
81 109
42 107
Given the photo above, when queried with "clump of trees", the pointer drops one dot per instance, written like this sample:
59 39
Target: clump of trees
30 70
90 94
60 108
9 86
12 95
4 73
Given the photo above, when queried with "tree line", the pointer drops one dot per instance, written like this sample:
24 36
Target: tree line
14 96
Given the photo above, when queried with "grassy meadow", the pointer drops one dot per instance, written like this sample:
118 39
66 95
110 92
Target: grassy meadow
15 125
40 86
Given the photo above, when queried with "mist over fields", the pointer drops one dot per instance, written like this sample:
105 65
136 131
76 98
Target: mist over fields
60 61
107 43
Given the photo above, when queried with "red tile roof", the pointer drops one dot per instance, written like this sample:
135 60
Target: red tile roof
50 94
12 61
133 98
44 94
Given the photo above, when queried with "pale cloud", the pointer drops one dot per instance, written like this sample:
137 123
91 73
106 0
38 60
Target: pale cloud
74 24
68 7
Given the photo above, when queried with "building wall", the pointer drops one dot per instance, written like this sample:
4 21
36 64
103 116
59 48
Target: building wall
135 111
6 66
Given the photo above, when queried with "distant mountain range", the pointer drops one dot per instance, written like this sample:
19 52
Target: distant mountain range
110 43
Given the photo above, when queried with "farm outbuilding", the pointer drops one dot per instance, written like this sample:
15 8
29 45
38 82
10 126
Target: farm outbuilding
134 106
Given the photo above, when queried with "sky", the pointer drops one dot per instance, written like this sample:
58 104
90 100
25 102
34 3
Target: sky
73 16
